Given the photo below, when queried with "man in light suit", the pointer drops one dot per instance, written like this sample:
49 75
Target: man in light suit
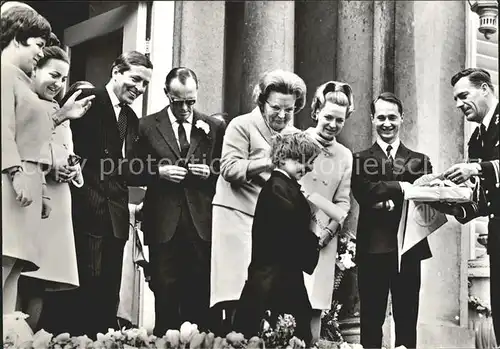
183 147
105 140
475 97
379 177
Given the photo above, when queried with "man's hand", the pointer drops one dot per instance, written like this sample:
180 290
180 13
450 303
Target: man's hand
460 173
21 187
172 173
200 170
388 205
46 209
74 109
447 208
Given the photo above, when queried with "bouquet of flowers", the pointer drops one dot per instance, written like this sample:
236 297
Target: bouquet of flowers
346 257
281 336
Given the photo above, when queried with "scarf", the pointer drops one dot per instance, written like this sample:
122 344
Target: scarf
325 143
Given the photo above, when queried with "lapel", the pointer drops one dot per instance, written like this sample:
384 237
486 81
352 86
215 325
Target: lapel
402 157
165 128
491 136
132 127
261 126
108 120
378 154
196 134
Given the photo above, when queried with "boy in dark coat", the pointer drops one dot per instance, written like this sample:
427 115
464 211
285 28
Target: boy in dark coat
283 246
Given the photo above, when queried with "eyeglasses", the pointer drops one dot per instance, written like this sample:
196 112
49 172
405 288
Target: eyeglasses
277 109
180 102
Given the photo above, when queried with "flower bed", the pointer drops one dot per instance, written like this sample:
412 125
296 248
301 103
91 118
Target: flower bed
17 334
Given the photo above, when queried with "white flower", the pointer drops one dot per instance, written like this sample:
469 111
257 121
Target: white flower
203 126
346 261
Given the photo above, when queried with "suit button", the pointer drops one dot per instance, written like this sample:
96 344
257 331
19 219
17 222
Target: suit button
492 215
315 179
106 151
498 185
489 204
486 191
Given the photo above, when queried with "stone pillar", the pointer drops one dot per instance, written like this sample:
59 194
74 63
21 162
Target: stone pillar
268 43
430 48
315 49
199 45
354 66
383 81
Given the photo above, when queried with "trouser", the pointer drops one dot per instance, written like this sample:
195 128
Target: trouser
180 278
90 308
377 274
494 252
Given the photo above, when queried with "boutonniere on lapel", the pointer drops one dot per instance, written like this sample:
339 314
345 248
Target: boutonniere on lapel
202 125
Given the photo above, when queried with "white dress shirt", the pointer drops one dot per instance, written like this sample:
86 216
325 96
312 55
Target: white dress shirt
116 107
188 125
394 145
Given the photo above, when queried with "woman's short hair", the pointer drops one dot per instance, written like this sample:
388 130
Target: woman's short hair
476 76
335 92
52 52
22 23
296 146
73 88
280 81
127 59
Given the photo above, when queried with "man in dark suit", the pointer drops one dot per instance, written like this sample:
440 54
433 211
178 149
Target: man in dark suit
380 175
183 148
104 139
475 97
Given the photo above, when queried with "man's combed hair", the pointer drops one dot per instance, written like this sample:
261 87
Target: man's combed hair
388 97
477 77
127 59
22 23
181 73
296 146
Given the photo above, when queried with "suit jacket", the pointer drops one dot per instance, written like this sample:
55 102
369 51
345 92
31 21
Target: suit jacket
100 206
488 194
163 200
247 139
374 181
283 246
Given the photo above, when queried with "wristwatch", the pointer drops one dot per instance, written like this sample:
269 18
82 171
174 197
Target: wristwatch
330 232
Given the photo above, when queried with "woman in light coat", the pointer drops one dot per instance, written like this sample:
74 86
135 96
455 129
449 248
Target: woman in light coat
331 178
245 167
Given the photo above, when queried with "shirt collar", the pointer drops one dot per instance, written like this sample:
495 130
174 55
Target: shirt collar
487 118
384 145
173 119
284 172
112 96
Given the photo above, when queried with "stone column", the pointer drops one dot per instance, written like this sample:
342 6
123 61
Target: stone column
354 66
315 49
268 43
430 48
199 45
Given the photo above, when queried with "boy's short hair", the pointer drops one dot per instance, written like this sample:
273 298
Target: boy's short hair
296 146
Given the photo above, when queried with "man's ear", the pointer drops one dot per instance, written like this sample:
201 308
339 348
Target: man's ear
484 87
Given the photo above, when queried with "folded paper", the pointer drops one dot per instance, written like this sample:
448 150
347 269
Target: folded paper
418 221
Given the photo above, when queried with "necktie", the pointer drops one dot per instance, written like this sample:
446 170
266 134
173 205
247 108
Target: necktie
482 133
122 121
389 156
183 142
